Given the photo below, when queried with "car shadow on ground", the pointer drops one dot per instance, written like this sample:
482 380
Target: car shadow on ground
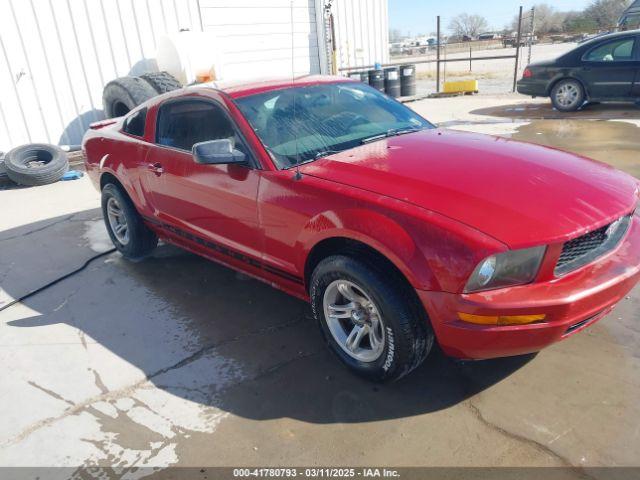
545 111
210 335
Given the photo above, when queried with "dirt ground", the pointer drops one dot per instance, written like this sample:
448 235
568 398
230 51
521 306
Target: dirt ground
494 76
177 361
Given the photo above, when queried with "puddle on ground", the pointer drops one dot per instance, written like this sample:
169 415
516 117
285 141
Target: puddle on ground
614 142
600 111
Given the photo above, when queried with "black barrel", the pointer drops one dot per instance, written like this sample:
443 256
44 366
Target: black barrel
407 80
392 81
376 79
360 76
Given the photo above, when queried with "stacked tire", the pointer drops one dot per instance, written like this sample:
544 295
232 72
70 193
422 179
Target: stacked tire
125 93
3 169
36 164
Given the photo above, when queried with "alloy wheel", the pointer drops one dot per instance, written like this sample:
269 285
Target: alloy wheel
117 221
567 95
354 320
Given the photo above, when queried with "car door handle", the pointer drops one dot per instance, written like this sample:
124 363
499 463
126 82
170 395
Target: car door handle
156 168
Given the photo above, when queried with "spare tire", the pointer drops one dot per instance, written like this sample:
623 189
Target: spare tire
162 82
36 164
124 94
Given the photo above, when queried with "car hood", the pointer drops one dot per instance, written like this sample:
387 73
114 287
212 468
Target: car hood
519 193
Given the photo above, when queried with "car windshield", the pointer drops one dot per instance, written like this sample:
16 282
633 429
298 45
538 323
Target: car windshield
305 123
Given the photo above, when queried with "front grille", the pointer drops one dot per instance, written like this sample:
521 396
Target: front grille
586 248
579 246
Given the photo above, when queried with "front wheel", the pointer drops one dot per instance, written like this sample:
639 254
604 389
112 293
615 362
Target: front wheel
125 226
567 95
369 319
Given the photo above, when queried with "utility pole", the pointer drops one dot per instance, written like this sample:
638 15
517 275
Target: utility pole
532 29
438 56
518 40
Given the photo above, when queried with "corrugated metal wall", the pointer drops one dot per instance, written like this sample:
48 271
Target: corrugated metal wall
257 36
362 32
56 56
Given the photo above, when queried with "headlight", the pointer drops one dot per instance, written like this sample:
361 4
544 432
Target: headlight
514 267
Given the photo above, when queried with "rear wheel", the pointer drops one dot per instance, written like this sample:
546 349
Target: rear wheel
124 224
567 95
369 319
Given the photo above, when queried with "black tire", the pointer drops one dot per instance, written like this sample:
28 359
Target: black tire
572 105
162 82
3 169
36 164
142 241
124 94
409 336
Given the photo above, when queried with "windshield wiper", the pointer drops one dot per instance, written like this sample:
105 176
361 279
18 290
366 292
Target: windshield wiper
392 132
324 153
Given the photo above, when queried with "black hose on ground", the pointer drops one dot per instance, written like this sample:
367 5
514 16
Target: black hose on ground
57 280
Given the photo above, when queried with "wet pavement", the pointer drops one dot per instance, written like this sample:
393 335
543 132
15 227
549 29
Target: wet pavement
545 111
179 361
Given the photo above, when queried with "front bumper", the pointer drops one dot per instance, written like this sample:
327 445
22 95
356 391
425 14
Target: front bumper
570 303
534 88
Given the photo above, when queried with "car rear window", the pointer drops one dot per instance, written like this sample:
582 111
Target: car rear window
135 123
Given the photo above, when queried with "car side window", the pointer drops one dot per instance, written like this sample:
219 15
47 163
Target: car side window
182 124
134 124
616 51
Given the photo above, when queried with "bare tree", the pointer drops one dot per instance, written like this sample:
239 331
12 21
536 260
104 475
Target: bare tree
547 20
578 22
470 25
605 13
395 35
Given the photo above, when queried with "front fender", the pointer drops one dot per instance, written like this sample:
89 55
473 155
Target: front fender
373 229
432 251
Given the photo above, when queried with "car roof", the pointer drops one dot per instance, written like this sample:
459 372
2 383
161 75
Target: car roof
599 38
238 88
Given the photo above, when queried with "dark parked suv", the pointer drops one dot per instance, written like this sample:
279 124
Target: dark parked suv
605 69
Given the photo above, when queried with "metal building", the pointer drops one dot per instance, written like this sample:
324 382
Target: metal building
56 55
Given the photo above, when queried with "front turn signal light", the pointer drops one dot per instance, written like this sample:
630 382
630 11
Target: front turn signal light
500 319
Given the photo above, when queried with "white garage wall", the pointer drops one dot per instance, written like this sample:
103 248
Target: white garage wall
257 37
56 56
362 32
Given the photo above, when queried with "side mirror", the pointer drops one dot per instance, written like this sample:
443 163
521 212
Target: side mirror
216 152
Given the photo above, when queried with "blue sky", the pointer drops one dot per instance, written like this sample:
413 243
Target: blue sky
419 16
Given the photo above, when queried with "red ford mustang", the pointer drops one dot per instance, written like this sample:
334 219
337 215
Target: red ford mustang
399 233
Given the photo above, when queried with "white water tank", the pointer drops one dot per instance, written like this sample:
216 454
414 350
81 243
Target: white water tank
190 56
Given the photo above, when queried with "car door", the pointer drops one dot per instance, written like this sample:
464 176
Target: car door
213 205
609 68
635 90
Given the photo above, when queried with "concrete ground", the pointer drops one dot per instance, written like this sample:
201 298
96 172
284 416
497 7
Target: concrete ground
494 76
177 361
